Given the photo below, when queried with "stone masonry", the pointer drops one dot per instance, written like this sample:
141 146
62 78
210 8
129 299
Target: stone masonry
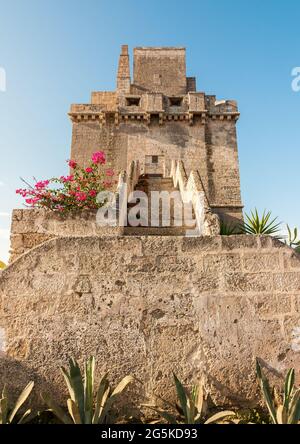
158 117
204 306
150 300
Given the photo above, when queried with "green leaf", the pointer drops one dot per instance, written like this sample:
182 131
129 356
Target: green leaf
76 382
3 410
288 388
88 389
264 384
181 396
256 224
294 412
171 419
218 416
26 417
74 412
122 385
100 399
280 415
116 392
56 409
20 401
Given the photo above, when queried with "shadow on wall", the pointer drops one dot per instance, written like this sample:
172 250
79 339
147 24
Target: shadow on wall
15 375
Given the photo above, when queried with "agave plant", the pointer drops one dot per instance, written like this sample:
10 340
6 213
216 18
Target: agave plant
285 410
190 407
83 407
7 416
264 224
229 229
293 241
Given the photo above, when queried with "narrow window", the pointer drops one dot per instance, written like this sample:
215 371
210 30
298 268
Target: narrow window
132 101
154 159
175 101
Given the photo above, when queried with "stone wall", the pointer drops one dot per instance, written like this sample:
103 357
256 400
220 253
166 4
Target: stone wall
160 70
31 227
152 305
211 149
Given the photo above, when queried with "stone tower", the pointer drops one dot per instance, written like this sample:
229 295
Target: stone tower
76 289
159 116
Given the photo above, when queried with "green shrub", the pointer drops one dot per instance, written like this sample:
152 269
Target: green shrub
263 225
82 407
293 241
284 409
189 408
230 229
7 416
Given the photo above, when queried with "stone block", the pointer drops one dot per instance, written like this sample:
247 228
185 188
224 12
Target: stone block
287 282
248 282
254 262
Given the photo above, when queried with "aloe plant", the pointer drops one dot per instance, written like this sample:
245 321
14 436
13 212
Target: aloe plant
287 409
229 229
7 416
264 224
190 407
293 241
83 406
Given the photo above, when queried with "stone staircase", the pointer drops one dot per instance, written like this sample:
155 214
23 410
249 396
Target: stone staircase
154 225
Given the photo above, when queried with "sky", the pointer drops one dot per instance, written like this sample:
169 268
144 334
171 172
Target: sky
54 53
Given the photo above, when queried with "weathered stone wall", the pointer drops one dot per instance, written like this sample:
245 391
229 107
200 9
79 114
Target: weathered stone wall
31 227
160 70
89 137
150 305
211 149
222 163
158 115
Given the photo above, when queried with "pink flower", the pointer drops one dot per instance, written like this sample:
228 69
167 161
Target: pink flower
32 201
41 184
67 178
81 196
89 170
23 193
93 193
110 172
72 163
107 183
98 157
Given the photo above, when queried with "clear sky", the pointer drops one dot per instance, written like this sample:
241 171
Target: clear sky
56 52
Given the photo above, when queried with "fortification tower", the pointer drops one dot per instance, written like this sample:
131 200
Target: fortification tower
159 117
76 288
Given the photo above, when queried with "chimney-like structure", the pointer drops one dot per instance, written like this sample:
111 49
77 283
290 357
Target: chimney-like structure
123 79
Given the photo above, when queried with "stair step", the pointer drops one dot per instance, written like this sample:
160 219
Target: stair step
155 231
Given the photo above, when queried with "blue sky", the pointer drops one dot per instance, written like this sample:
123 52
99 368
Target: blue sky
56 52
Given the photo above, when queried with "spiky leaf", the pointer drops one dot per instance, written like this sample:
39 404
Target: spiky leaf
56 409
21 399
219 416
